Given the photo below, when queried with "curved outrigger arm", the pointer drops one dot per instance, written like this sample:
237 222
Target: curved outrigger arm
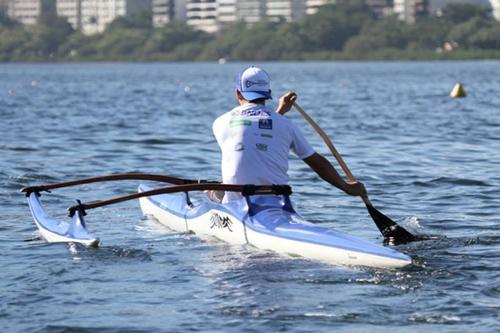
245 190
114 177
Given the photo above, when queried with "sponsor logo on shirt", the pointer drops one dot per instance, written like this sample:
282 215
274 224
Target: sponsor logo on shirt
261 146
266 124
240 122
254 112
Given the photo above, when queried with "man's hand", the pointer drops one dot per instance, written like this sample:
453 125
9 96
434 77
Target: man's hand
286 102
356 189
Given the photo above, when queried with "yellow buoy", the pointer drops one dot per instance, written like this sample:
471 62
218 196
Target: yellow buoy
458 91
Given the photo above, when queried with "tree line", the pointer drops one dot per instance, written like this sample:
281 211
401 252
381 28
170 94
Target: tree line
346 30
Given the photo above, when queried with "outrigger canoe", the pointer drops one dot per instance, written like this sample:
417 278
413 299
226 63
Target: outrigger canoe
263 218
266 222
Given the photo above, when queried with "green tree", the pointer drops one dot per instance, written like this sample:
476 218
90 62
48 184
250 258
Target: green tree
486 38
48 36
462 33
169 37
459 13
253 44
122 43
333 25
6 21
428 33
224 42
139 20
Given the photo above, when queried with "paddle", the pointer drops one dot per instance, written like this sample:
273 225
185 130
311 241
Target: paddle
244 189
392 232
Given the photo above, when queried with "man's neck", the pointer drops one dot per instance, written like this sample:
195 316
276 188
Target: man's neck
259 102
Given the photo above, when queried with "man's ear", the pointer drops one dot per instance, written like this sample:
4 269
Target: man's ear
239 96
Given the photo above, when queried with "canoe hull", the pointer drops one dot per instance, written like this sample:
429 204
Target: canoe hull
268 228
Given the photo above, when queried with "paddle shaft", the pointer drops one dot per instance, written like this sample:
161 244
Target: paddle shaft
330 145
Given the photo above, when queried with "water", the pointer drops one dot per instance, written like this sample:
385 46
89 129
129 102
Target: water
429 162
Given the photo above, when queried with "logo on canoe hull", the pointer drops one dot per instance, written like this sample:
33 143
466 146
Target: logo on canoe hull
220 222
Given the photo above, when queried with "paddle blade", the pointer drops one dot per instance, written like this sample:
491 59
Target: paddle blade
392 232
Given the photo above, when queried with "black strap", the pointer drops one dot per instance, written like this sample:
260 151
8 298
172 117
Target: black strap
248 190
281 189
80 207
34 189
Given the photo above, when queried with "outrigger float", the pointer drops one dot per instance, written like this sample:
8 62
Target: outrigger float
264 218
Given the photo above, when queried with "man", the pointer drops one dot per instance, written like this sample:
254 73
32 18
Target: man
255 141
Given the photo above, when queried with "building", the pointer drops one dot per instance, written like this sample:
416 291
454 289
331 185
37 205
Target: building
312 6
211 15
495 5
380 7
202 15
30 11
288 10
250 11
4 5
72 11
163 12
410 10
226 11
92 16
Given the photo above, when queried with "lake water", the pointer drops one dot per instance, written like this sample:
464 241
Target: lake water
429 162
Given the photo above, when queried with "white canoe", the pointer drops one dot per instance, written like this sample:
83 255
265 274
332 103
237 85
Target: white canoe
268 223
54 231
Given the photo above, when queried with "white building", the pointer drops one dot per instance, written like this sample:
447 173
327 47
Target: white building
210 15
165 11
92 16
495 5
250 11
72 11
226 11
202 15
312 6
409 10
29 11
288 10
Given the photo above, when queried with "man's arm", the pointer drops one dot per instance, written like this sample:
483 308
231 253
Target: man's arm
327 172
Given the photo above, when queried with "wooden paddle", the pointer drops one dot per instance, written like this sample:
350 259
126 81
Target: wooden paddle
392 232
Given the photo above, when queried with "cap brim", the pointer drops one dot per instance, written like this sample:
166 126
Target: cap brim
252 95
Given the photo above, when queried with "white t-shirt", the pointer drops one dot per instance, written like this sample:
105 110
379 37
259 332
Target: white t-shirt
255 143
